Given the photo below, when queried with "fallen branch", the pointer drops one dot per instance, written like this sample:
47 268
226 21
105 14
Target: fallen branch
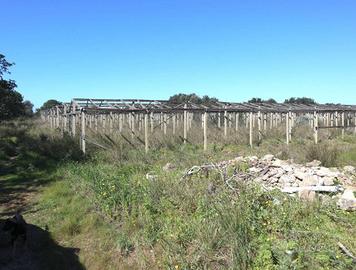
347 252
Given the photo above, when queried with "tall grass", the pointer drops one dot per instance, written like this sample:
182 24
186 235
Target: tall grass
188 227
164 222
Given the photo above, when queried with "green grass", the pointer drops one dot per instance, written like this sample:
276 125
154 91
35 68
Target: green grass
105 206
186 226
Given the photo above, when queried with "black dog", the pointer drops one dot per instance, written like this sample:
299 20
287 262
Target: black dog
16 226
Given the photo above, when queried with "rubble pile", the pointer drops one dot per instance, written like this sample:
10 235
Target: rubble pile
308 181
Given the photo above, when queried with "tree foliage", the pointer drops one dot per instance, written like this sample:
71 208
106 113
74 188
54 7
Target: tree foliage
194 98
28 107
302 100
11 101
259 100
49 104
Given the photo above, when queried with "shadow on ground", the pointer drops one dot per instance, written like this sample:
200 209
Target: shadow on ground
16 191
27 162
39 252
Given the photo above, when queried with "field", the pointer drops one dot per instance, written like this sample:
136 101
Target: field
124 209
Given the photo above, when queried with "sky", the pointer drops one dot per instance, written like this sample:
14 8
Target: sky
232 50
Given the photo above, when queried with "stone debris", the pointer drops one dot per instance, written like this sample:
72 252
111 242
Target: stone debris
308 181
347 200
349 169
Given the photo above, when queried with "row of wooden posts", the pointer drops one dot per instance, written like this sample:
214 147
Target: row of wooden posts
67 122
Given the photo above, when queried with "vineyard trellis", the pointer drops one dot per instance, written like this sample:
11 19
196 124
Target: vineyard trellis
147 115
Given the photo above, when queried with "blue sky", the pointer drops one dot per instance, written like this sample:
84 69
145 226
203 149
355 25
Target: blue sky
233 50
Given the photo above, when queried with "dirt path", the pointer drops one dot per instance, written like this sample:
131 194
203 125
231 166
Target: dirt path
18 192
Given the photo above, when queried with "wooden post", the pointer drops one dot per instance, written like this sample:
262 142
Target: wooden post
259 126
73 119
219 120
161 120
315 127
165 124
185 122
152 121
96 122
225 123
327 119
132 125
111 126
343 124
146 132
287 128
264 121
51 118
65 118
251 128
83 132
174 123
237 115
190 118
205 124
290 125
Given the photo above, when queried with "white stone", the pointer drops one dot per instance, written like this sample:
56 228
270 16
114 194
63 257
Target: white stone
268 158
323 171
286 179
279 163
347 200
287 168
300 174
328 181
254 170
349 169
310 180
314 163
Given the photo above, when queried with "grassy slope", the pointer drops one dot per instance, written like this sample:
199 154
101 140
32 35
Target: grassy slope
106 207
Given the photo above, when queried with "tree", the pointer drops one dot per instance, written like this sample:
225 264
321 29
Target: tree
303 100
193 98
11 105
28 108
49 104
259 100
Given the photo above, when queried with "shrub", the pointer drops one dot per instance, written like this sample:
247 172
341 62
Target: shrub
327 154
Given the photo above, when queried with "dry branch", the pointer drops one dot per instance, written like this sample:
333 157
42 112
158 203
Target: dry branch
347 252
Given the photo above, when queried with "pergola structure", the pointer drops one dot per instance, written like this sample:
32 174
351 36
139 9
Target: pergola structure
147 114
